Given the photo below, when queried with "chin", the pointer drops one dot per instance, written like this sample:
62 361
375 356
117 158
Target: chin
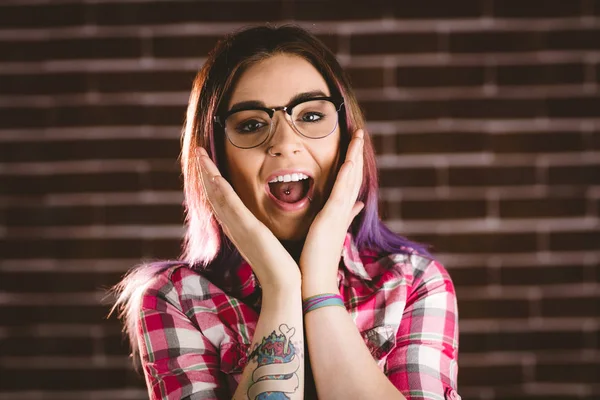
291 231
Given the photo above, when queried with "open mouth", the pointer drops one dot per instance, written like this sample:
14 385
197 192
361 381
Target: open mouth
291 192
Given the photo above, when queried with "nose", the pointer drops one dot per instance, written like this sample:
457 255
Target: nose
284 139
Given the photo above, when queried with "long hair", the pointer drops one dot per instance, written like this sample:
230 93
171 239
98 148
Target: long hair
206 247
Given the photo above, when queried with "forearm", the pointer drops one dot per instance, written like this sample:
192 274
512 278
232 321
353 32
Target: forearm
279 329
342 365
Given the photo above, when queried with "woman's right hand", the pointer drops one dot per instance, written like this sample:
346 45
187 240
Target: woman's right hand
273 265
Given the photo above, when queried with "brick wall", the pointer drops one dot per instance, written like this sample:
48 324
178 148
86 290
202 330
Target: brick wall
485 114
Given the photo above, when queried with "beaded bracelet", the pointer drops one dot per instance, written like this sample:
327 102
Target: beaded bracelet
322 300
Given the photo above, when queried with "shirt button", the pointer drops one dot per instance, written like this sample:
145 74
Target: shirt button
451 394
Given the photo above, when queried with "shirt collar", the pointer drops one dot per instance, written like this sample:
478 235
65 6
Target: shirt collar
353 260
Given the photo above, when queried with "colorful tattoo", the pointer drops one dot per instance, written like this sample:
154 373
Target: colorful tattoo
277 366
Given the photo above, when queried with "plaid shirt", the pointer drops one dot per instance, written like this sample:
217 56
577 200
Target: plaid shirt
194 334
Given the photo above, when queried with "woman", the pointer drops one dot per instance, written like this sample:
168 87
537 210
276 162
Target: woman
290 286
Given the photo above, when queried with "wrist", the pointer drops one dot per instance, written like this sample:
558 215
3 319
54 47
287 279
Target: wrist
313 288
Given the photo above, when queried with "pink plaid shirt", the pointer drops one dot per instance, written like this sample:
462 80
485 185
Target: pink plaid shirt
195 335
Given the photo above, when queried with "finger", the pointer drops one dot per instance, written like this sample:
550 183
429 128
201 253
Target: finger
356 209
357 158
225 202
355 146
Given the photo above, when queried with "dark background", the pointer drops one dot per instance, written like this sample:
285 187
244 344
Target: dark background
485 115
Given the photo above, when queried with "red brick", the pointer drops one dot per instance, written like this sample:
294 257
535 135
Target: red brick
59 282
495 42
13 316
541 74
484 342
537 142
459 109
522 41
100 182
183 46
116 344
543 275
13 248
404 177
36 346
53 379
442 76
545 207
595 139
580 306
480 243
576 39
42 15
169 12
571 241
155 81
438 9
389 209
584 371
336 10
444 142
200 46
491 375
496 108
68 49
574 175
573 107
491 176
48 83
537 8
442 209
71 116
107 149
378 144
464 277
493 308
392 43
403 110
366 77
525 394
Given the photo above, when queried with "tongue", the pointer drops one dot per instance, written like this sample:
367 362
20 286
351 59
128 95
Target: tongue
288 192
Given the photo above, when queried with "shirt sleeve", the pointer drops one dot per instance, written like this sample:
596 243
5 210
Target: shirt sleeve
179 362
423 365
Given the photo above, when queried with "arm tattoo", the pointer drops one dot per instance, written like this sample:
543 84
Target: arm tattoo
277 366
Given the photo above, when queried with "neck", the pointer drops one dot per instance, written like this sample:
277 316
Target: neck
294 247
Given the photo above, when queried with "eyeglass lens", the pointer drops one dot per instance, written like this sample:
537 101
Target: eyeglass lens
314 119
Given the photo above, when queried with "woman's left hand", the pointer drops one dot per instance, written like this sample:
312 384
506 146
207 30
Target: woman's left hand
323 246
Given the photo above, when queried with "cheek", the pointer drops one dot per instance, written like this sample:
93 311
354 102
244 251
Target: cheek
242 173
331 156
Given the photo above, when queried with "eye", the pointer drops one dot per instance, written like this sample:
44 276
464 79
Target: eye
312 117
250 126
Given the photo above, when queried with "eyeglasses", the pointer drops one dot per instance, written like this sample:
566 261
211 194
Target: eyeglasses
249 127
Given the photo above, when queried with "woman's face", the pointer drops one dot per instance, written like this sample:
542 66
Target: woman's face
274 82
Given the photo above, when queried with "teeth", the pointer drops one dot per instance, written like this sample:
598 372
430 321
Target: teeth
295 177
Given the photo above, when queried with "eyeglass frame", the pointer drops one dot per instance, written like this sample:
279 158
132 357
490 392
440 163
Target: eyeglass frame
337 102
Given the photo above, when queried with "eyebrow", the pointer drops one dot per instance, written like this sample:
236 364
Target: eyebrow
295 99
